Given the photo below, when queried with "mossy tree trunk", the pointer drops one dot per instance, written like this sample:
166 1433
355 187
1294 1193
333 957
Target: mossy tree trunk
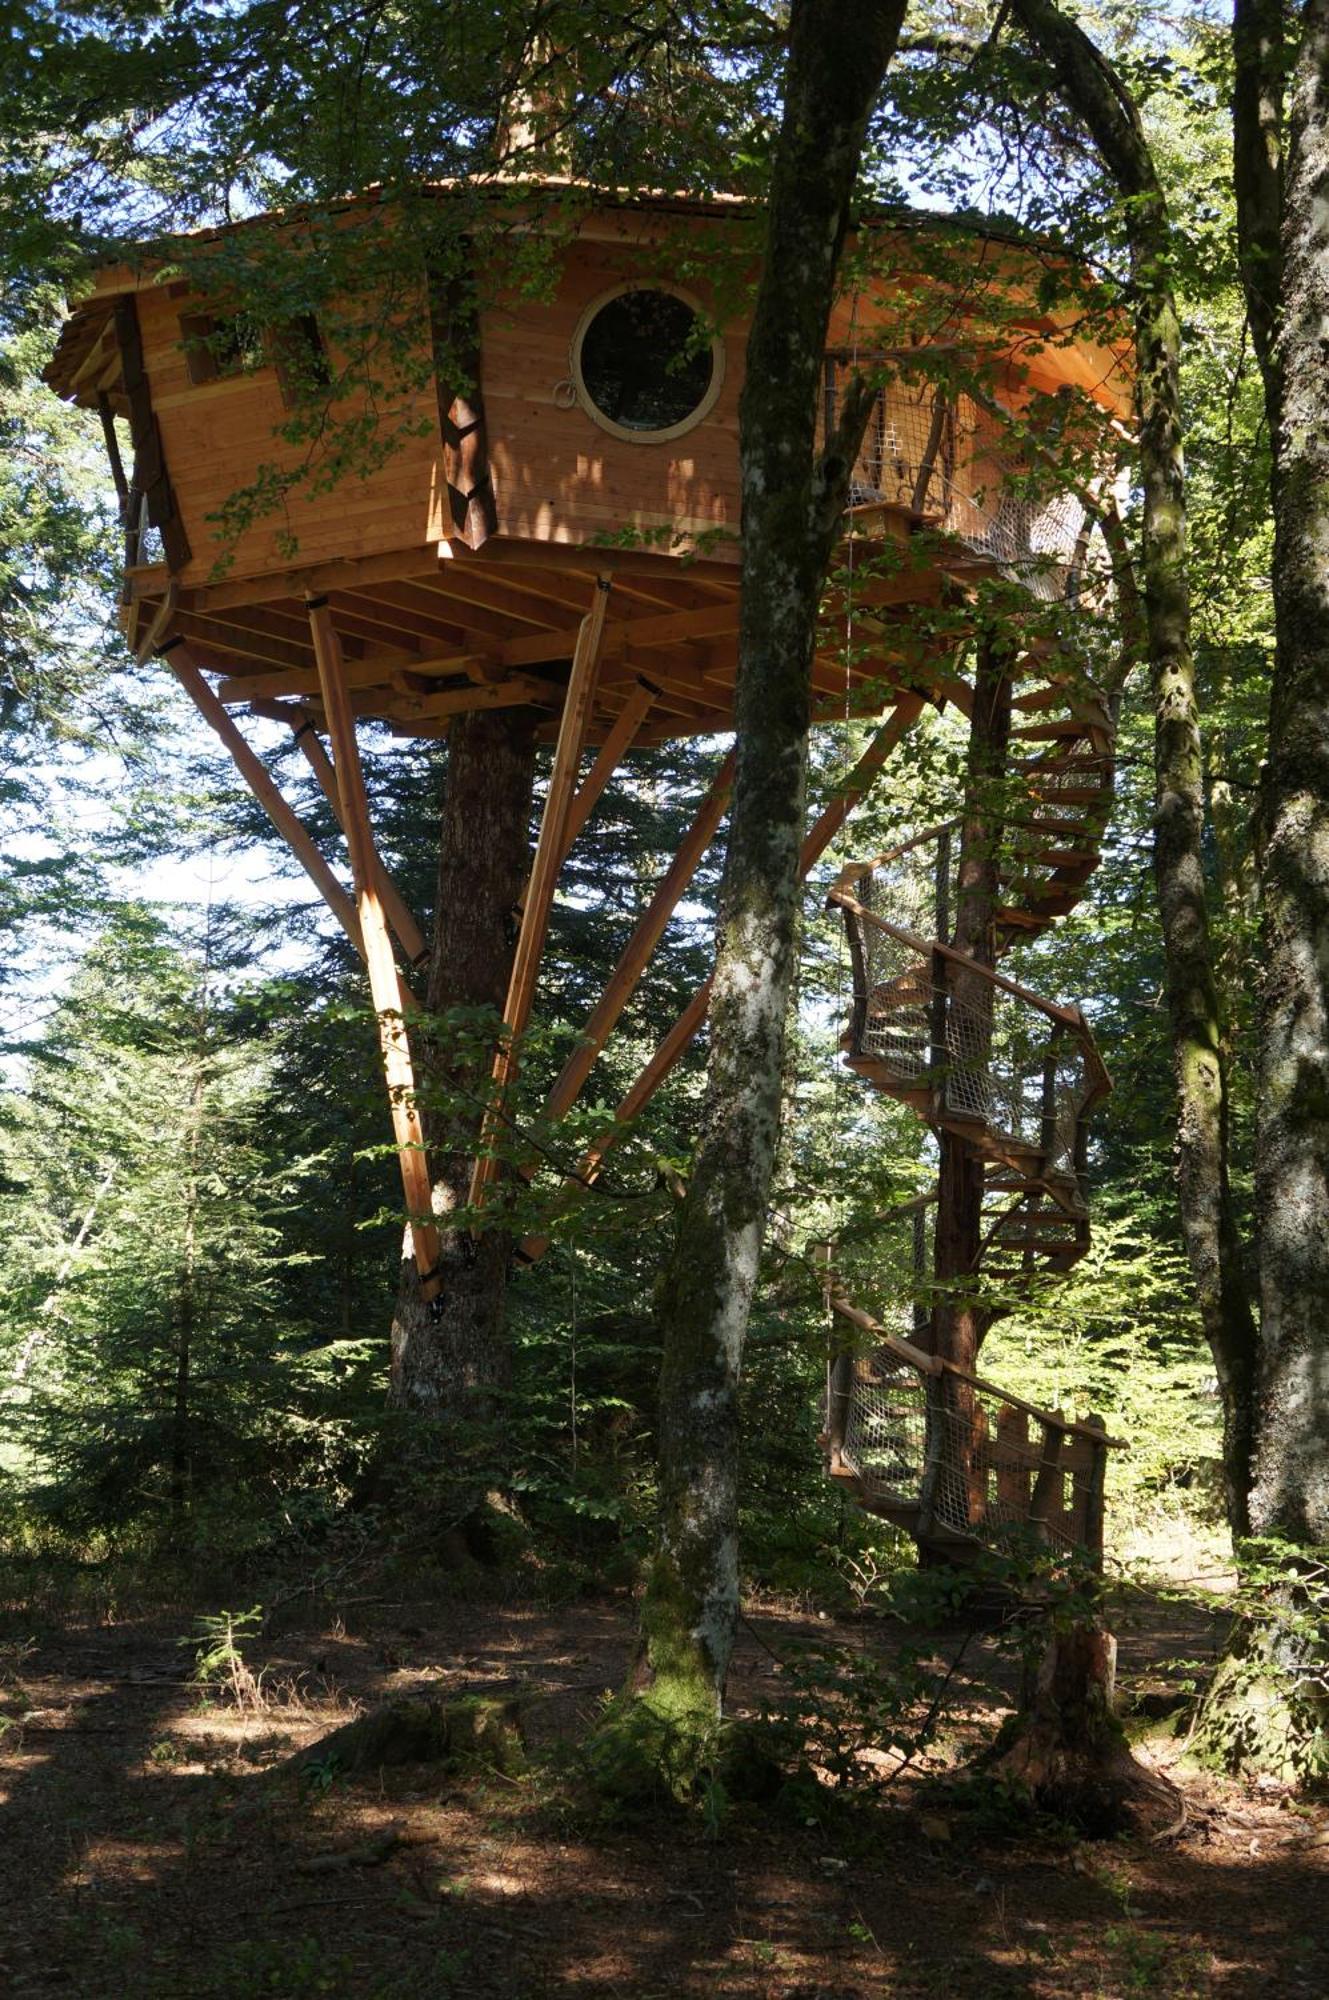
1267 1711
442 1363
1290 1496
793 501
1103 104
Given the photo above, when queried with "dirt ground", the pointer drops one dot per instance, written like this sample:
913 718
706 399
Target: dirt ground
149 1848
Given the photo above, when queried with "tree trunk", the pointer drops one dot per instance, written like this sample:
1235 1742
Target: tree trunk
792 507
444 1361
959 1323
1267 1711
1290 1497
1068 1748
186 1303
1209 1226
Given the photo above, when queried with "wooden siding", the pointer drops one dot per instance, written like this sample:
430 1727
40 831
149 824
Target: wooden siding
558 475
216 435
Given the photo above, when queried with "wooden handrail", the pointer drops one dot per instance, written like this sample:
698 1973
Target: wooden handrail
938 1364
1072 1017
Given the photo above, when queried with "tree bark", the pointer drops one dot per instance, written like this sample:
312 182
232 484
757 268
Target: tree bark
1290 1497
1068 1748
444 1361
959 1320
792 505
959 1323
1209 1225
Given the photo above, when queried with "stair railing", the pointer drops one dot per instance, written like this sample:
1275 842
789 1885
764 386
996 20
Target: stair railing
1011 1468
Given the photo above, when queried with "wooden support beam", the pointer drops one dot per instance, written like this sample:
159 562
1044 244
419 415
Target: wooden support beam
549 851
375 670
714 621
819 837
688 1024
252 770
409 935
636 954
347 573
384 986
618 739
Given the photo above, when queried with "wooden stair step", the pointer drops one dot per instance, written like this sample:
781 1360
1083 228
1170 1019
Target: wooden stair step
1072 795
1041 698
1053 825
1062 857
1066 727
1075 1232
1036 765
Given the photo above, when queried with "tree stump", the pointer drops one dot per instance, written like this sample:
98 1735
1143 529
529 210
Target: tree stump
477 1731
1068 1747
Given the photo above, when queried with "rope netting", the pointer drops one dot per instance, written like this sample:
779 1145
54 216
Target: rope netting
974 1462
962 466
994 1056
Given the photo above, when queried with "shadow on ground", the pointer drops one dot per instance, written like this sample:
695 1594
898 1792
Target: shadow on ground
151 1850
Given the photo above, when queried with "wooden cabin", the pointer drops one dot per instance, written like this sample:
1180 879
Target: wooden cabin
587 427
539 510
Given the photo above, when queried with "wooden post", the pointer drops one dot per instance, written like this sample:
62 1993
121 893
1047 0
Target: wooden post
1095 1496
549 850
409 935
1012 1459
645 937
618 738
252 770
923 480
384 985
1045 1499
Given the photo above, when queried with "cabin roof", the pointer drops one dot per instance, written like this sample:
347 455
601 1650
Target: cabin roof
89 312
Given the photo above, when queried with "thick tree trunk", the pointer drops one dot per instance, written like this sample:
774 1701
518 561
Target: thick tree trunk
1213 1241
442 1362
1267 1711
792 505
1290 1497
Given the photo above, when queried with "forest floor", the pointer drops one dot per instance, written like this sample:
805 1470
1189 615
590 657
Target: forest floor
151 1848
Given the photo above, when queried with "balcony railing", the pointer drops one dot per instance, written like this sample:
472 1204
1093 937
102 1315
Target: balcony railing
950 462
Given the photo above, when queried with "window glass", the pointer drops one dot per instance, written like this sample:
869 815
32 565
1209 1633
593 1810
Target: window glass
645 363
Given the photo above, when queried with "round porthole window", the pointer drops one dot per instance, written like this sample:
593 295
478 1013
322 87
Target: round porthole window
643 364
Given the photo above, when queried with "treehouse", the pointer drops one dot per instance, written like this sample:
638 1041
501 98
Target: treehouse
448 492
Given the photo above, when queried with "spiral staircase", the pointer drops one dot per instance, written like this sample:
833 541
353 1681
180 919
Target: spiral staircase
952 1458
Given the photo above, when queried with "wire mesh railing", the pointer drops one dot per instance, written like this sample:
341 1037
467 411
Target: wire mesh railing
957 1455
950 1454
982 1049
947 459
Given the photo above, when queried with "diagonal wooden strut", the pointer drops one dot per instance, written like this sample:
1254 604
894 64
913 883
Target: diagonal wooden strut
549 851
637 952
177 655
618 739
409 935
819 837
384 985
